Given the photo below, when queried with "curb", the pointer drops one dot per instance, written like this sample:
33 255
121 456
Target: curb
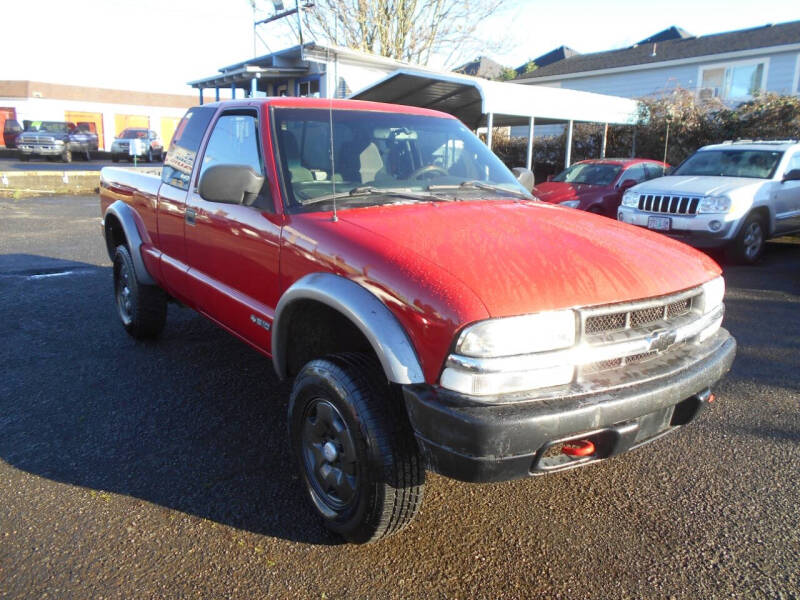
24 184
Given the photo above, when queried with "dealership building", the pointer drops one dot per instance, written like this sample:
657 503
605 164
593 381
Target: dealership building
108 111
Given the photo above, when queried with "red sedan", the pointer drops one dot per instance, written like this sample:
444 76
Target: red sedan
597 185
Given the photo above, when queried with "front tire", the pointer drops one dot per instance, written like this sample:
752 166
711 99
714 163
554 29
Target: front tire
66 155
350 435
141 308
748 246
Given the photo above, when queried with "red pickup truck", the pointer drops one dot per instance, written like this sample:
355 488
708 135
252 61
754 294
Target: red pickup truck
432 313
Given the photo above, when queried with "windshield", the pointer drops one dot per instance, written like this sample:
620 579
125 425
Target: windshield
383 157
132 134
759 164
589 173
49 126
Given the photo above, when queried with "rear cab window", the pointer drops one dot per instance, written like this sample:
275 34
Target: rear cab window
185 144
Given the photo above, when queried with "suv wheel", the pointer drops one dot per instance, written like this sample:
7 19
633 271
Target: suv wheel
749 243
358 457
141 308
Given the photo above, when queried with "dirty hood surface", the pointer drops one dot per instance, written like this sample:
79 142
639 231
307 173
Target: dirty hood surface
523 257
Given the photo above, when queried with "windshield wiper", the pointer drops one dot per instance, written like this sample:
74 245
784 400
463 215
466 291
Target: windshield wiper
482 186
368 190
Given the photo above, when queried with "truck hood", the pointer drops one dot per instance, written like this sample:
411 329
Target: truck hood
697 185
556 191
523 257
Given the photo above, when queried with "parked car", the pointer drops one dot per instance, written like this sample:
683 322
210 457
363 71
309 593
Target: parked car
597 185
431 312
56 139
146 145
11 130
734 195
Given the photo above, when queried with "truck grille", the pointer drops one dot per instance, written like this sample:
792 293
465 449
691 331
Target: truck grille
617 323
671 205
635 318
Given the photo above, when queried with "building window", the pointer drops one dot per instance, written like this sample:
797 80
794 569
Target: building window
309 88
740 81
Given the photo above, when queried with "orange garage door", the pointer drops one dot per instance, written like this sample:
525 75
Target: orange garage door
124 121
168 125
76 116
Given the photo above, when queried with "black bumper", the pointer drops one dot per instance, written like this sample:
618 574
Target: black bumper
478 441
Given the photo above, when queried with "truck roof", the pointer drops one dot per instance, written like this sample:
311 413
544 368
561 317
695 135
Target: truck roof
296 102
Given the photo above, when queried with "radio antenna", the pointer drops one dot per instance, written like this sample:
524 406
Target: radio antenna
330 118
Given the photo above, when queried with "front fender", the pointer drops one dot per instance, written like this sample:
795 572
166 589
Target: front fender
371 316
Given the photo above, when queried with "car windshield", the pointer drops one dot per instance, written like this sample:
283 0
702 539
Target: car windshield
132 134
380 158
759 164
48 126
589 173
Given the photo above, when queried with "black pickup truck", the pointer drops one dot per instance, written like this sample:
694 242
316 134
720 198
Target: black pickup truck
56 139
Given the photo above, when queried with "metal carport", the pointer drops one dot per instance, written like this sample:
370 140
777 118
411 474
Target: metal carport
483 103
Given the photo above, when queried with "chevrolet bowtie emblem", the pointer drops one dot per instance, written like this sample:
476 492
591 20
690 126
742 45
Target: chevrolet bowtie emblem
661 339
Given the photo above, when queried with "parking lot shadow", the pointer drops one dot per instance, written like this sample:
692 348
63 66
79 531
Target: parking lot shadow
195 421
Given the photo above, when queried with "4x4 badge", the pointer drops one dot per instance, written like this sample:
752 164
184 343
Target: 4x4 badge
260 322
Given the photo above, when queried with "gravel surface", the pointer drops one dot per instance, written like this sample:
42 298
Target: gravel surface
161 470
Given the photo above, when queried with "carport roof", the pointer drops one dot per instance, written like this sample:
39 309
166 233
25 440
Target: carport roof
470 99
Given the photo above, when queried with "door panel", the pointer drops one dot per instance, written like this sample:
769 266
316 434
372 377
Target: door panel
787 200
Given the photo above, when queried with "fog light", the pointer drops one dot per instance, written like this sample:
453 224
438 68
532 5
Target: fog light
715 225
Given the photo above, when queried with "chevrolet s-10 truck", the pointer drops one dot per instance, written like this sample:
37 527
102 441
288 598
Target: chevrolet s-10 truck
432 313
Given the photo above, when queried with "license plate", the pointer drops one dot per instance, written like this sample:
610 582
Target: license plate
659 223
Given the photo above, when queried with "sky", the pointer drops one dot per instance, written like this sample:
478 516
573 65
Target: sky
159 45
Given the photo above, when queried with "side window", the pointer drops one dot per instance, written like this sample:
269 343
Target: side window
185 144
653 170
234 141
794 162
636 173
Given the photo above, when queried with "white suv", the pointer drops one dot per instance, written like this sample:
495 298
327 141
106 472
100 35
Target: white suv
735 194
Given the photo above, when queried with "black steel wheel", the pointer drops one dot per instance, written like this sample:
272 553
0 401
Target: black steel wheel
141 308
359 461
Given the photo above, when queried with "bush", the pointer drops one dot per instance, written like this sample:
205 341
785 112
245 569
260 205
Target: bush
692 124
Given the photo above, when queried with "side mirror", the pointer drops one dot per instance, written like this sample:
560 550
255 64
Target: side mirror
524 176
793 175
230 184
627 184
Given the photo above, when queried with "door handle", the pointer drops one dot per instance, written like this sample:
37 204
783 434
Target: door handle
191 215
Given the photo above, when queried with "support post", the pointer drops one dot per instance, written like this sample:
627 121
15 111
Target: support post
568 153
253 87
216 93
489 125
201 95
605 140
233 91
633 145
529 159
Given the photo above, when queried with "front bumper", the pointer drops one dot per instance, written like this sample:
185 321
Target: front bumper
478 441
694 230
49 150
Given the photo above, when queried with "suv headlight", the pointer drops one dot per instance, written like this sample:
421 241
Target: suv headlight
630 199
714 204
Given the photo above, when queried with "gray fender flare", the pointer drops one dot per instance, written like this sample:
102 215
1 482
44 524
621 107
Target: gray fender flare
124 214
371 316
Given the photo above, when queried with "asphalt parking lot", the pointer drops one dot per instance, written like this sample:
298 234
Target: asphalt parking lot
9 162
160 470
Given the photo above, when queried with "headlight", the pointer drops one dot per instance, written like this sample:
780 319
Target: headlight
570 203
60 142
630 199
714 204
713 292
518 335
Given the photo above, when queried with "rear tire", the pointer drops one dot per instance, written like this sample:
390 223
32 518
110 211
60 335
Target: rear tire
115 158
358 458
748 246
141 308
24 157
